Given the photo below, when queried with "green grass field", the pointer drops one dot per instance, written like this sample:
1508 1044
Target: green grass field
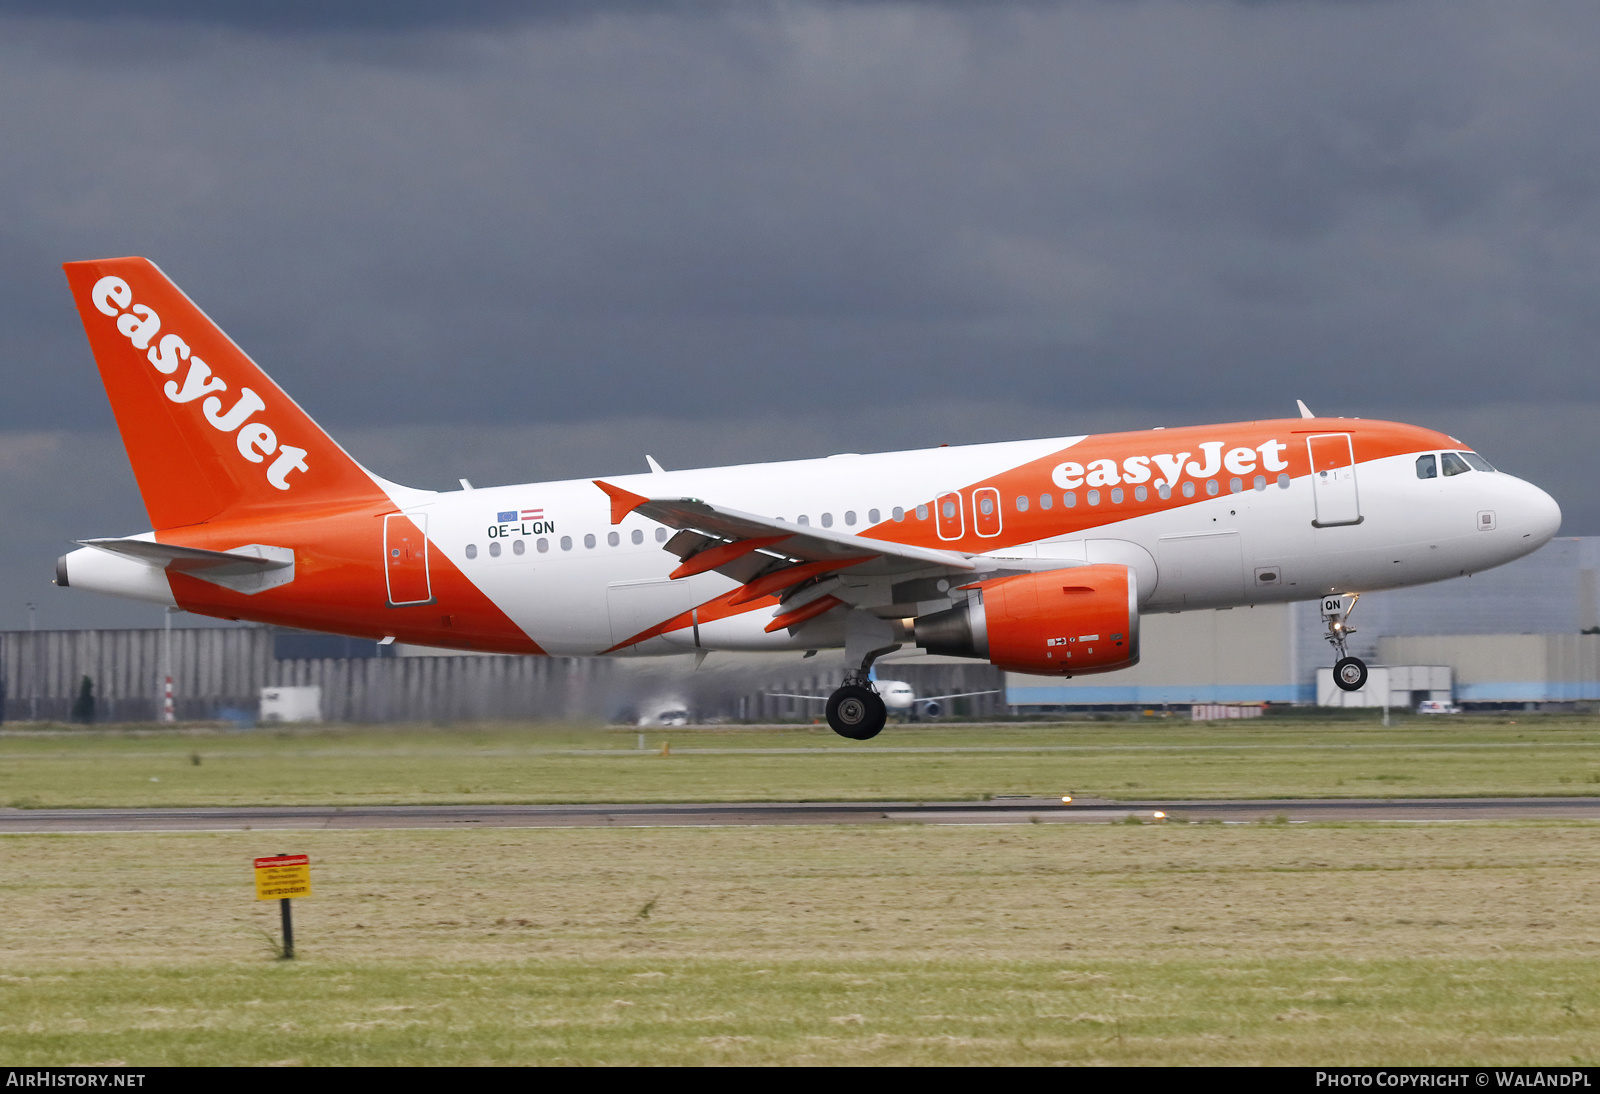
893 944
1272 944
1168 759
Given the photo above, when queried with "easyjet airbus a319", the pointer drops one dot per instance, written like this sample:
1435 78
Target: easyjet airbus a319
1038 556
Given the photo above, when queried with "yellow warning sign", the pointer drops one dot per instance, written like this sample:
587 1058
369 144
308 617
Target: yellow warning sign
283 876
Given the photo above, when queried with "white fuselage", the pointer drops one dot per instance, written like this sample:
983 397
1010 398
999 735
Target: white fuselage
579 599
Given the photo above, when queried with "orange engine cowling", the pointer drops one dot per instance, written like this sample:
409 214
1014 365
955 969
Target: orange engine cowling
1058 623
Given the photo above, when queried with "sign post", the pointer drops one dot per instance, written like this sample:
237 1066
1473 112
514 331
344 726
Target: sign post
279 878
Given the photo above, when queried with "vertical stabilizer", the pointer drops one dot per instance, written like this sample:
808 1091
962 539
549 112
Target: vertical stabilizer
206 430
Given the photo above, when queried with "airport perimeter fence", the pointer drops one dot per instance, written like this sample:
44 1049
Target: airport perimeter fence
218 674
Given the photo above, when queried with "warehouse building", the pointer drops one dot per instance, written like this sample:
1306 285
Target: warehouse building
1511 635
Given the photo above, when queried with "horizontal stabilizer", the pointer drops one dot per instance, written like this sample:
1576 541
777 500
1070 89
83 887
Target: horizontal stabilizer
250 569
187 559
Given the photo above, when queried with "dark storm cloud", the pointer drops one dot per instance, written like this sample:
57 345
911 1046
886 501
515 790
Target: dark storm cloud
1181 204
837 225
301 16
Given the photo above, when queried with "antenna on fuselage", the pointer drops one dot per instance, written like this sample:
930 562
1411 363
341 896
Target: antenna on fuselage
1305 411
655 468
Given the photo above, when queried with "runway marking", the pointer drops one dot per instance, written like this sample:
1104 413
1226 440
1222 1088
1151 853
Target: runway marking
768 814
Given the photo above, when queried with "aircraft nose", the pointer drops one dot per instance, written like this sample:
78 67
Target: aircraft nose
1540 516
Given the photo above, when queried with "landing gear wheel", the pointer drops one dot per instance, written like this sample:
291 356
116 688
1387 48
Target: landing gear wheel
1350 674
856 712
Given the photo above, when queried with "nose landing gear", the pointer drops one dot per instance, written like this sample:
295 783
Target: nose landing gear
1350 673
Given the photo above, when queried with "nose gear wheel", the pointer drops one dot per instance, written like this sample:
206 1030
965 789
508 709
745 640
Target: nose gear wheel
1350 674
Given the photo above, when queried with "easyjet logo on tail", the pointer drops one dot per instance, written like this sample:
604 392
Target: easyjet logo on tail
255 441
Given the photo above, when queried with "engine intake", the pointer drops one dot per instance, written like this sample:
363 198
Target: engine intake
1058 623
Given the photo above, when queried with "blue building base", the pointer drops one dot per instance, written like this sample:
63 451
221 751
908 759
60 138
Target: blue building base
1155 695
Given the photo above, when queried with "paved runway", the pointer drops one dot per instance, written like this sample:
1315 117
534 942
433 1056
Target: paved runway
736 814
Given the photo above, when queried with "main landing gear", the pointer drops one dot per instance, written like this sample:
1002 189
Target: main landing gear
1350 673
856 710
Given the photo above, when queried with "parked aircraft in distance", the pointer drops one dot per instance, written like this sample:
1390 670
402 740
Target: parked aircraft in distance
1038 556
898 697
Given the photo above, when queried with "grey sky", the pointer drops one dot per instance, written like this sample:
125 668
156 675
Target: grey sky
498 240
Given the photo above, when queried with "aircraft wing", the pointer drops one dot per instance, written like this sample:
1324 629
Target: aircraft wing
787 695
957 695
768 554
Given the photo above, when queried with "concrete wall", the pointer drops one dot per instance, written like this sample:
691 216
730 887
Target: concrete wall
1242 655
1507 668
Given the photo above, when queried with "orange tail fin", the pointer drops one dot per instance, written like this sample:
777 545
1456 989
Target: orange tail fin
206 430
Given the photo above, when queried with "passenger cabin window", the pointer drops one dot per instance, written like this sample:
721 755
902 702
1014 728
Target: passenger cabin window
1453 464
1427 467
1477 462
661 535
873 516
638 536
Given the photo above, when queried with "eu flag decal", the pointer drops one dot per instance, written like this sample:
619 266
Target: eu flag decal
506 516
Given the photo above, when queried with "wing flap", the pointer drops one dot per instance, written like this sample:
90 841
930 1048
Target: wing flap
798 543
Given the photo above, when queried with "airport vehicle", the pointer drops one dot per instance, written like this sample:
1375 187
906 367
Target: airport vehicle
1434 706
664 710
898 697
1038 556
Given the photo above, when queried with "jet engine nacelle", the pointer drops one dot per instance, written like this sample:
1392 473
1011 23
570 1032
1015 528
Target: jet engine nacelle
1057 623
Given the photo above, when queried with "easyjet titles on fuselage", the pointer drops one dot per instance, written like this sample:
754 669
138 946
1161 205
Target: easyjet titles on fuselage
140 324
1172 466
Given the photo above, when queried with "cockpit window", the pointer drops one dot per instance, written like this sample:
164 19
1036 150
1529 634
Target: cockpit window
1453 464
1477 462
1427 467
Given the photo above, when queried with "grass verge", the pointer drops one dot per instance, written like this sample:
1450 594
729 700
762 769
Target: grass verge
1471 944
1152 759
